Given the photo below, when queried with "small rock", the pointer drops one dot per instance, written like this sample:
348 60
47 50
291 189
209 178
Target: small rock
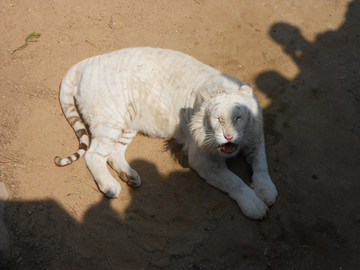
40 207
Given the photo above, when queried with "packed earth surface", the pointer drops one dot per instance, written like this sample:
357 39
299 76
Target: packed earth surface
302 59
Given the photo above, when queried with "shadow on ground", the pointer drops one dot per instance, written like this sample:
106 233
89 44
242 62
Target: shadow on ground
174 222
312 135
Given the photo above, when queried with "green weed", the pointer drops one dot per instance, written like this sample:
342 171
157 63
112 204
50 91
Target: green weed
33 37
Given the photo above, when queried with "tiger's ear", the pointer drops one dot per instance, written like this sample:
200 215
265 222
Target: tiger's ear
246 89
200 98
203 96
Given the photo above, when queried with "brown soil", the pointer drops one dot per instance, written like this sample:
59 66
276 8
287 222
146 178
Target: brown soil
303 59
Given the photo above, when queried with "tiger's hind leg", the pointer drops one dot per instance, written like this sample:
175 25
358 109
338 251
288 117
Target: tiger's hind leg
118 162
96 157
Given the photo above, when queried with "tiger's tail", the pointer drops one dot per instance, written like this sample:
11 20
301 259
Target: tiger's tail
67 102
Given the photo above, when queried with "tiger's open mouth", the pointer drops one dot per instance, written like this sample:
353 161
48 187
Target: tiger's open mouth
228 148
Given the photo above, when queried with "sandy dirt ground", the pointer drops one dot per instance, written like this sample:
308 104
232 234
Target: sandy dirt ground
303 60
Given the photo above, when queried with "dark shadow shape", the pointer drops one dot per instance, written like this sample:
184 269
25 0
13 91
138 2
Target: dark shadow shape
176 153
171 222
311 129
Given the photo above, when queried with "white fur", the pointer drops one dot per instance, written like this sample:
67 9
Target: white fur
168 94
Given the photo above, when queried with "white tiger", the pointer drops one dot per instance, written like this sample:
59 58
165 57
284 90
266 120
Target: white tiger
166 94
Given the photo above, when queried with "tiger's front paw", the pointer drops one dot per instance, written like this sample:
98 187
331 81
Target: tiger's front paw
264 188
251 205
110 188
131 181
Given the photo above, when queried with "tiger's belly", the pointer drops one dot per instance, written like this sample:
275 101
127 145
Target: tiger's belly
157 123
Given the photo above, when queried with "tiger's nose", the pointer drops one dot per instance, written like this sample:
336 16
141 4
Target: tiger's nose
229 137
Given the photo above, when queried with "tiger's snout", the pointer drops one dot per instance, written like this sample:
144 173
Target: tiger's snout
229 137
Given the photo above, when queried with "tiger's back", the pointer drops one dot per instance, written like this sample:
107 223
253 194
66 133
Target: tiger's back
143 88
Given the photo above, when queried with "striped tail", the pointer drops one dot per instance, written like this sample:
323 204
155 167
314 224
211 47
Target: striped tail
68 106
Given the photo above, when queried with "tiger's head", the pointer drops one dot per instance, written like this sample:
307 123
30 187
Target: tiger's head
226 120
